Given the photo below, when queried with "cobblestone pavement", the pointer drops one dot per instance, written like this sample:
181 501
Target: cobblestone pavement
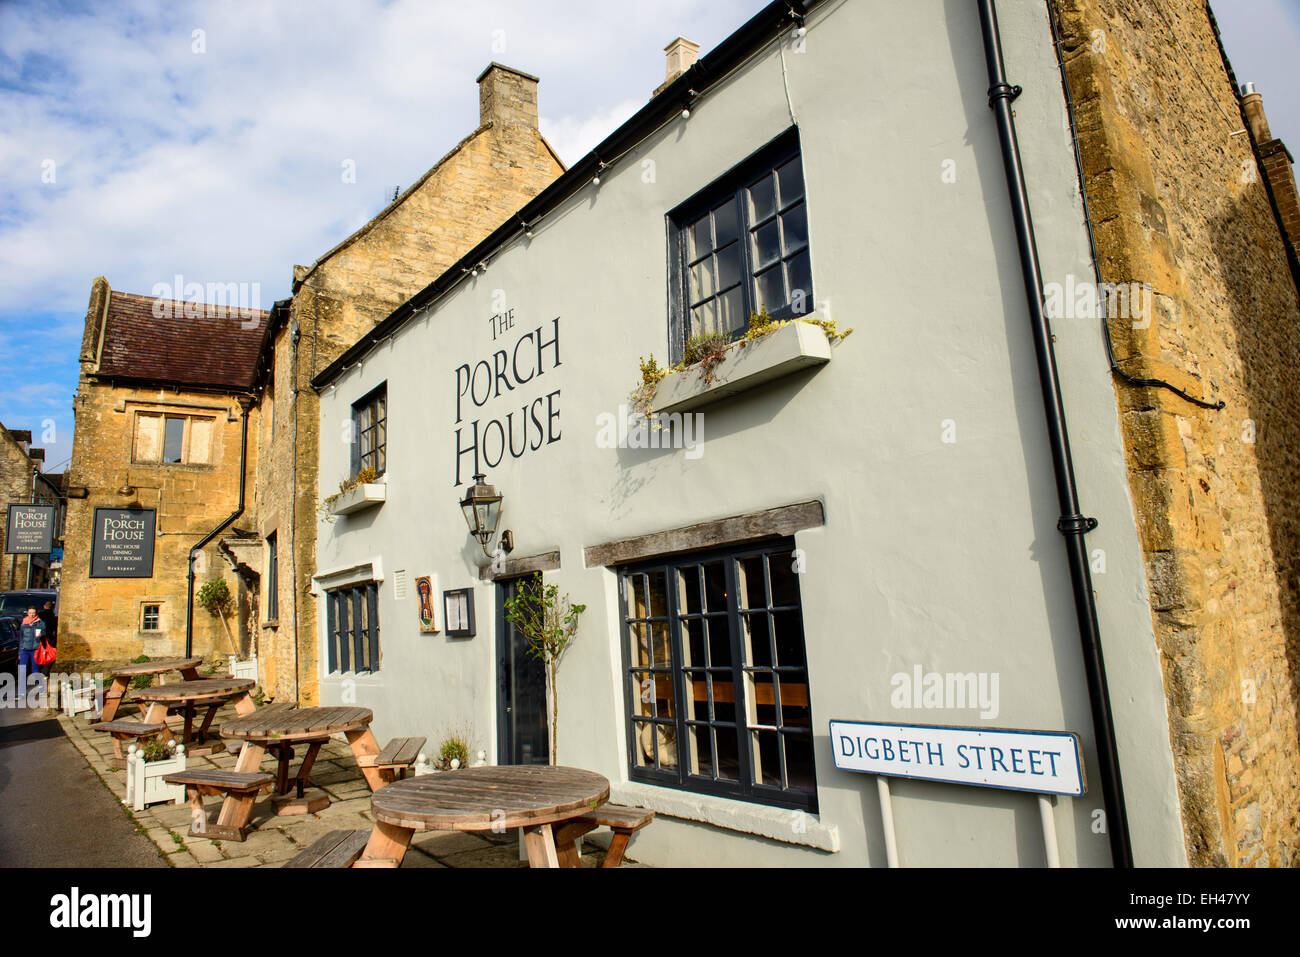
273 839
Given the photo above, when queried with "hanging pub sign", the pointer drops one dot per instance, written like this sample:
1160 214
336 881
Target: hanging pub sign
1045 762
122 543
30 530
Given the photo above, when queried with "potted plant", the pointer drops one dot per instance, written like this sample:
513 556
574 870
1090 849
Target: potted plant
216 598
146 765
548 621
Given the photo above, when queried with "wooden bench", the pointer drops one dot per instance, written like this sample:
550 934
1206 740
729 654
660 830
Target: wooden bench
125 730
335 849
397 756
622 820
231 824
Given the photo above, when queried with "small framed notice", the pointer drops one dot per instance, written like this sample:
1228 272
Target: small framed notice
425 591
458 611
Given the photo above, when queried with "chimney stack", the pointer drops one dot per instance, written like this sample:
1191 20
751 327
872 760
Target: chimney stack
507 97
1276 161
681 55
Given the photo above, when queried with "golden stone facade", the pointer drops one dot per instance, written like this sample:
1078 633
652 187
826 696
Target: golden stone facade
1176 202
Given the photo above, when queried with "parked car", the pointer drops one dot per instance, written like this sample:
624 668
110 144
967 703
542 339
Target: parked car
17 602
9 636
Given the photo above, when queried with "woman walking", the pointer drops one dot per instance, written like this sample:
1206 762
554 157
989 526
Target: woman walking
32 633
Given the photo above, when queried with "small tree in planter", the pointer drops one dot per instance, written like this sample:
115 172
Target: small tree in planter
216 598
548 622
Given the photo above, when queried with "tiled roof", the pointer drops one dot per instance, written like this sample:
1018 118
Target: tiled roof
217 347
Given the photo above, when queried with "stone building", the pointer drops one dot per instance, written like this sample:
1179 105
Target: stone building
1171 155
164 394
866 526
21 481
342 295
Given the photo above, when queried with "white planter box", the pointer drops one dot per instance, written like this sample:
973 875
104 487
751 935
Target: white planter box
144 779
75 699
795 346
243 669
355 499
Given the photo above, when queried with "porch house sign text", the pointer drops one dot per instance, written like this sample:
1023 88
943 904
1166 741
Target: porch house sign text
483 444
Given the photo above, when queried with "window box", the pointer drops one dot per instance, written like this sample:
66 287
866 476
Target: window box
359 497
795 346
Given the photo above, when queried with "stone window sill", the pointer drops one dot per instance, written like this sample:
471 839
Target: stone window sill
271 623
358 498
773 823
798 345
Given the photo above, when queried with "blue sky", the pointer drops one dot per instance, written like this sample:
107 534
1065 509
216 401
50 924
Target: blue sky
224 164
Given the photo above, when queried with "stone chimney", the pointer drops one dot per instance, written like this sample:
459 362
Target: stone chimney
1276 160
507 98
681 55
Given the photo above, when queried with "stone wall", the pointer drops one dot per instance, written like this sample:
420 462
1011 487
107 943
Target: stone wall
1176 202
100 618
469 193
16 470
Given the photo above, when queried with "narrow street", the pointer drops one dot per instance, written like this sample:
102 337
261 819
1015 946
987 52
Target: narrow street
54 810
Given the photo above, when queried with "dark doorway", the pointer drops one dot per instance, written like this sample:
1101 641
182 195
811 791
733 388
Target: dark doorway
521 692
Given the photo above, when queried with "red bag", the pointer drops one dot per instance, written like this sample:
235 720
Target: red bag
45 654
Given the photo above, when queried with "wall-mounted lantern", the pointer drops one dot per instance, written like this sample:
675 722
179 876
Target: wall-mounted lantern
482 508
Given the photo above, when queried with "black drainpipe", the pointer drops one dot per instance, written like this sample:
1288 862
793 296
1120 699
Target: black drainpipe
1071 524
198 547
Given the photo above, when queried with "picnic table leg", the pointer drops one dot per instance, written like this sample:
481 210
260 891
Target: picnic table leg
540 842
189 724
207 722
235 811
386 847
113 698
283 755
566 837
363 745
304 772
244 705
190 674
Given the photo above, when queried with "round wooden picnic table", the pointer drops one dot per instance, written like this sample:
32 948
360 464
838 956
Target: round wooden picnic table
279 728
188 696
122 677
530 796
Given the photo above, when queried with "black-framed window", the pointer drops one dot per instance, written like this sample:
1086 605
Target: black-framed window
151 617
740 246
272 578
370 432
717 677
352 624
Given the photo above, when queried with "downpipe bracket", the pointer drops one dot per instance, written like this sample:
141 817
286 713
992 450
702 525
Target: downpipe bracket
1008 91
1075 524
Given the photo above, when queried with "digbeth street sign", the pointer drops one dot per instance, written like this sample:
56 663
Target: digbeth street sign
30 530
122 546
1046 762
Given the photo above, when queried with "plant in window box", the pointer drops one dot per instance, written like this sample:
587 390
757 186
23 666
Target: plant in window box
216 598
548 621
363 477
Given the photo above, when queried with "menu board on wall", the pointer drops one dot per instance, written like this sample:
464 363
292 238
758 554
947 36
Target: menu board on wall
122 543
30 530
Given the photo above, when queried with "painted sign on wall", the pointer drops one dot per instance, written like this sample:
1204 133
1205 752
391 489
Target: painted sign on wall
527 426
30 530
1046 762
122 543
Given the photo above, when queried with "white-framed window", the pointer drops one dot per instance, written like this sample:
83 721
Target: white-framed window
172 438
